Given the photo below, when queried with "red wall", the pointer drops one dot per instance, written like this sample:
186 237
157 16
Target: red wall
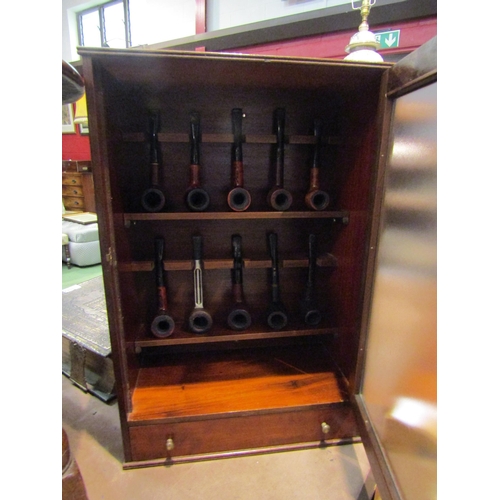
75 146
413 34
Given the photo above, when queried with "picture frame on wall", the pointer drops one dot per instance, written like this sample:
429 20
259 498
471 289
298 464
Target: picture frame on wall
68 125
84 128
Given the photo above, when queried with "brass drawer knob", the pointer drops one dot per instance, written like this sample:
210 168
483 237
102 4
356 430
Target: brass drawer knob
170 444
325 428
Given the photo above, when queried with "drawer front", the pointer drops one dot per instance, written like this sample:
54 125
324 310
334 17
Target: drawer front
221 435
72 179
72 190
71 202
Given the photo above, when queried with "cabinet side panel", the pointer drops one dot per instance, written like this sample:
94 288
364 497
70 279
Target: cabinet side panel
357 166
99 138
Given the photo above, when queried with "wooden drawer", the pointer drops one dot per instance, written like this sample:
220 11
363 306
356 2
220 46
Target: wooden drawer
77 166
220 436
72 179
72 202
75 190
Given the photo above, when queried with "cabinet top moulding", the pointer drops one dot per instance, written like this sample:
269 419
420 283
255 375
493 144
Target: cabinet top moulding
182 69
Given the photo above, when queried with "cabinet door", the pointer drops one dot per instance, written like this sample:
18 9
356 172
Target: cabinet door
396 382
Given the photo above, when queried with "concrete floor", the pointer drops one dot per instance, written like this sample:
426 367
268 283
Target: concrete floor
93 428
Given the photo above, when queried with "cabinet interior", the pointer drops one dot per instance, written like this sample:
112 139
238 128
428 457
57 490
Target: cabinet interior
190 376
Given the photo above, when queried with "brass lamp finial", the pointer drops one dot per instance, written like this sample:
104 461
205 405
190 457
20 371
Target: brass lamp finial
363 45
365 11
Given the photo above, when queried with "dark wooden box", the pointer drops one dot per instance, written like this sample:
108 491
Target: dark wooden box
226 392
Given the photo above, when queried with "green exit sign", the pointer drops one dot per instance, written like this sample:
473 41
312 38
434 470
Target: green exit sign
388 39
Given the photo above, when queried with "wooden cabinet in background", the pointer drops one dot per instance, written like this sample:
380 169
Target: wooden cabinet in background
78 186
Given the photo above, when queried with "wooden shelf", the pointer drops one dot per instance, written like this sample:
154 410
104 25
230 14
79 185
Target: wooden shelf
192 385
326 260
219 334
339 215
172 137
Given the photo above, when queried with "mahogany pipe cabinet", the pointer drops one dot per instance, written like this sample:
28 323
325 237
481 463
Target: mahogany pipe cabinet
191 396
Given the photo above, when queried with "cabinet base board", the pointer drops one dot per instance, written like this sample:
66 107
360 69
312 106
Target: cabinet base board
165 462
229 434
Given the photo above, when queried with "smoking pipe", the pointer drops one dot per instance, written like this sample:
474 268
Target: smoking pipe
162 325
309 308
239 198
200 319
278 197
316 199
153 198
277 317
197 199
238 318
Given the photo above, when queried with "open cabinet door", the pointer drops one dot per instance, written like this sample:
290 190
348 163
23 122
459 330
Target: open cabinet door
396 393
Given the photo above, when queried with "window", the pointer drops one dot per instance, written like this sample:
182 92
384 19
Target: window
106 25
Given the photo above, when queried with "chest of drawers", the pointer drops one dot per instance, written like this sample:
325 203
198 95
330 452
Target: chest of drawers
78 191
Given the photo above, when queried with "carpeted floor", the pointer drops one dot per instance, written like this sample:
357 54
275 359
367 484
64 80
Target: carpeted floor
77 274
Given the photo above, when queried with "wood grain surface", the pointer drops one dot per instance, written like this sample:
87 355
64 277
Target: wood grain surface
196 384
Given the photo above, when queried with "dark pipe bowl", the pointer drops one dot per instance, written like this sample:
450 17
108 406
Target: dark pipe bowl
317 200
280 199
200 321
162 326
239 319
197 200
239 199
277 319
312 317
153 200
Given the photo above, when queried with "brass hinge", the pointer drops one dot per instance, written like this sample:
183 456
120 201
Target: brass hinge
109 256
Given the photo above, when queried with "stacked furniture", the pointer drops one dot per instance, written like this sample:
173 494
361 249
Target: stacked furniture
82 248
78 186
80 242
